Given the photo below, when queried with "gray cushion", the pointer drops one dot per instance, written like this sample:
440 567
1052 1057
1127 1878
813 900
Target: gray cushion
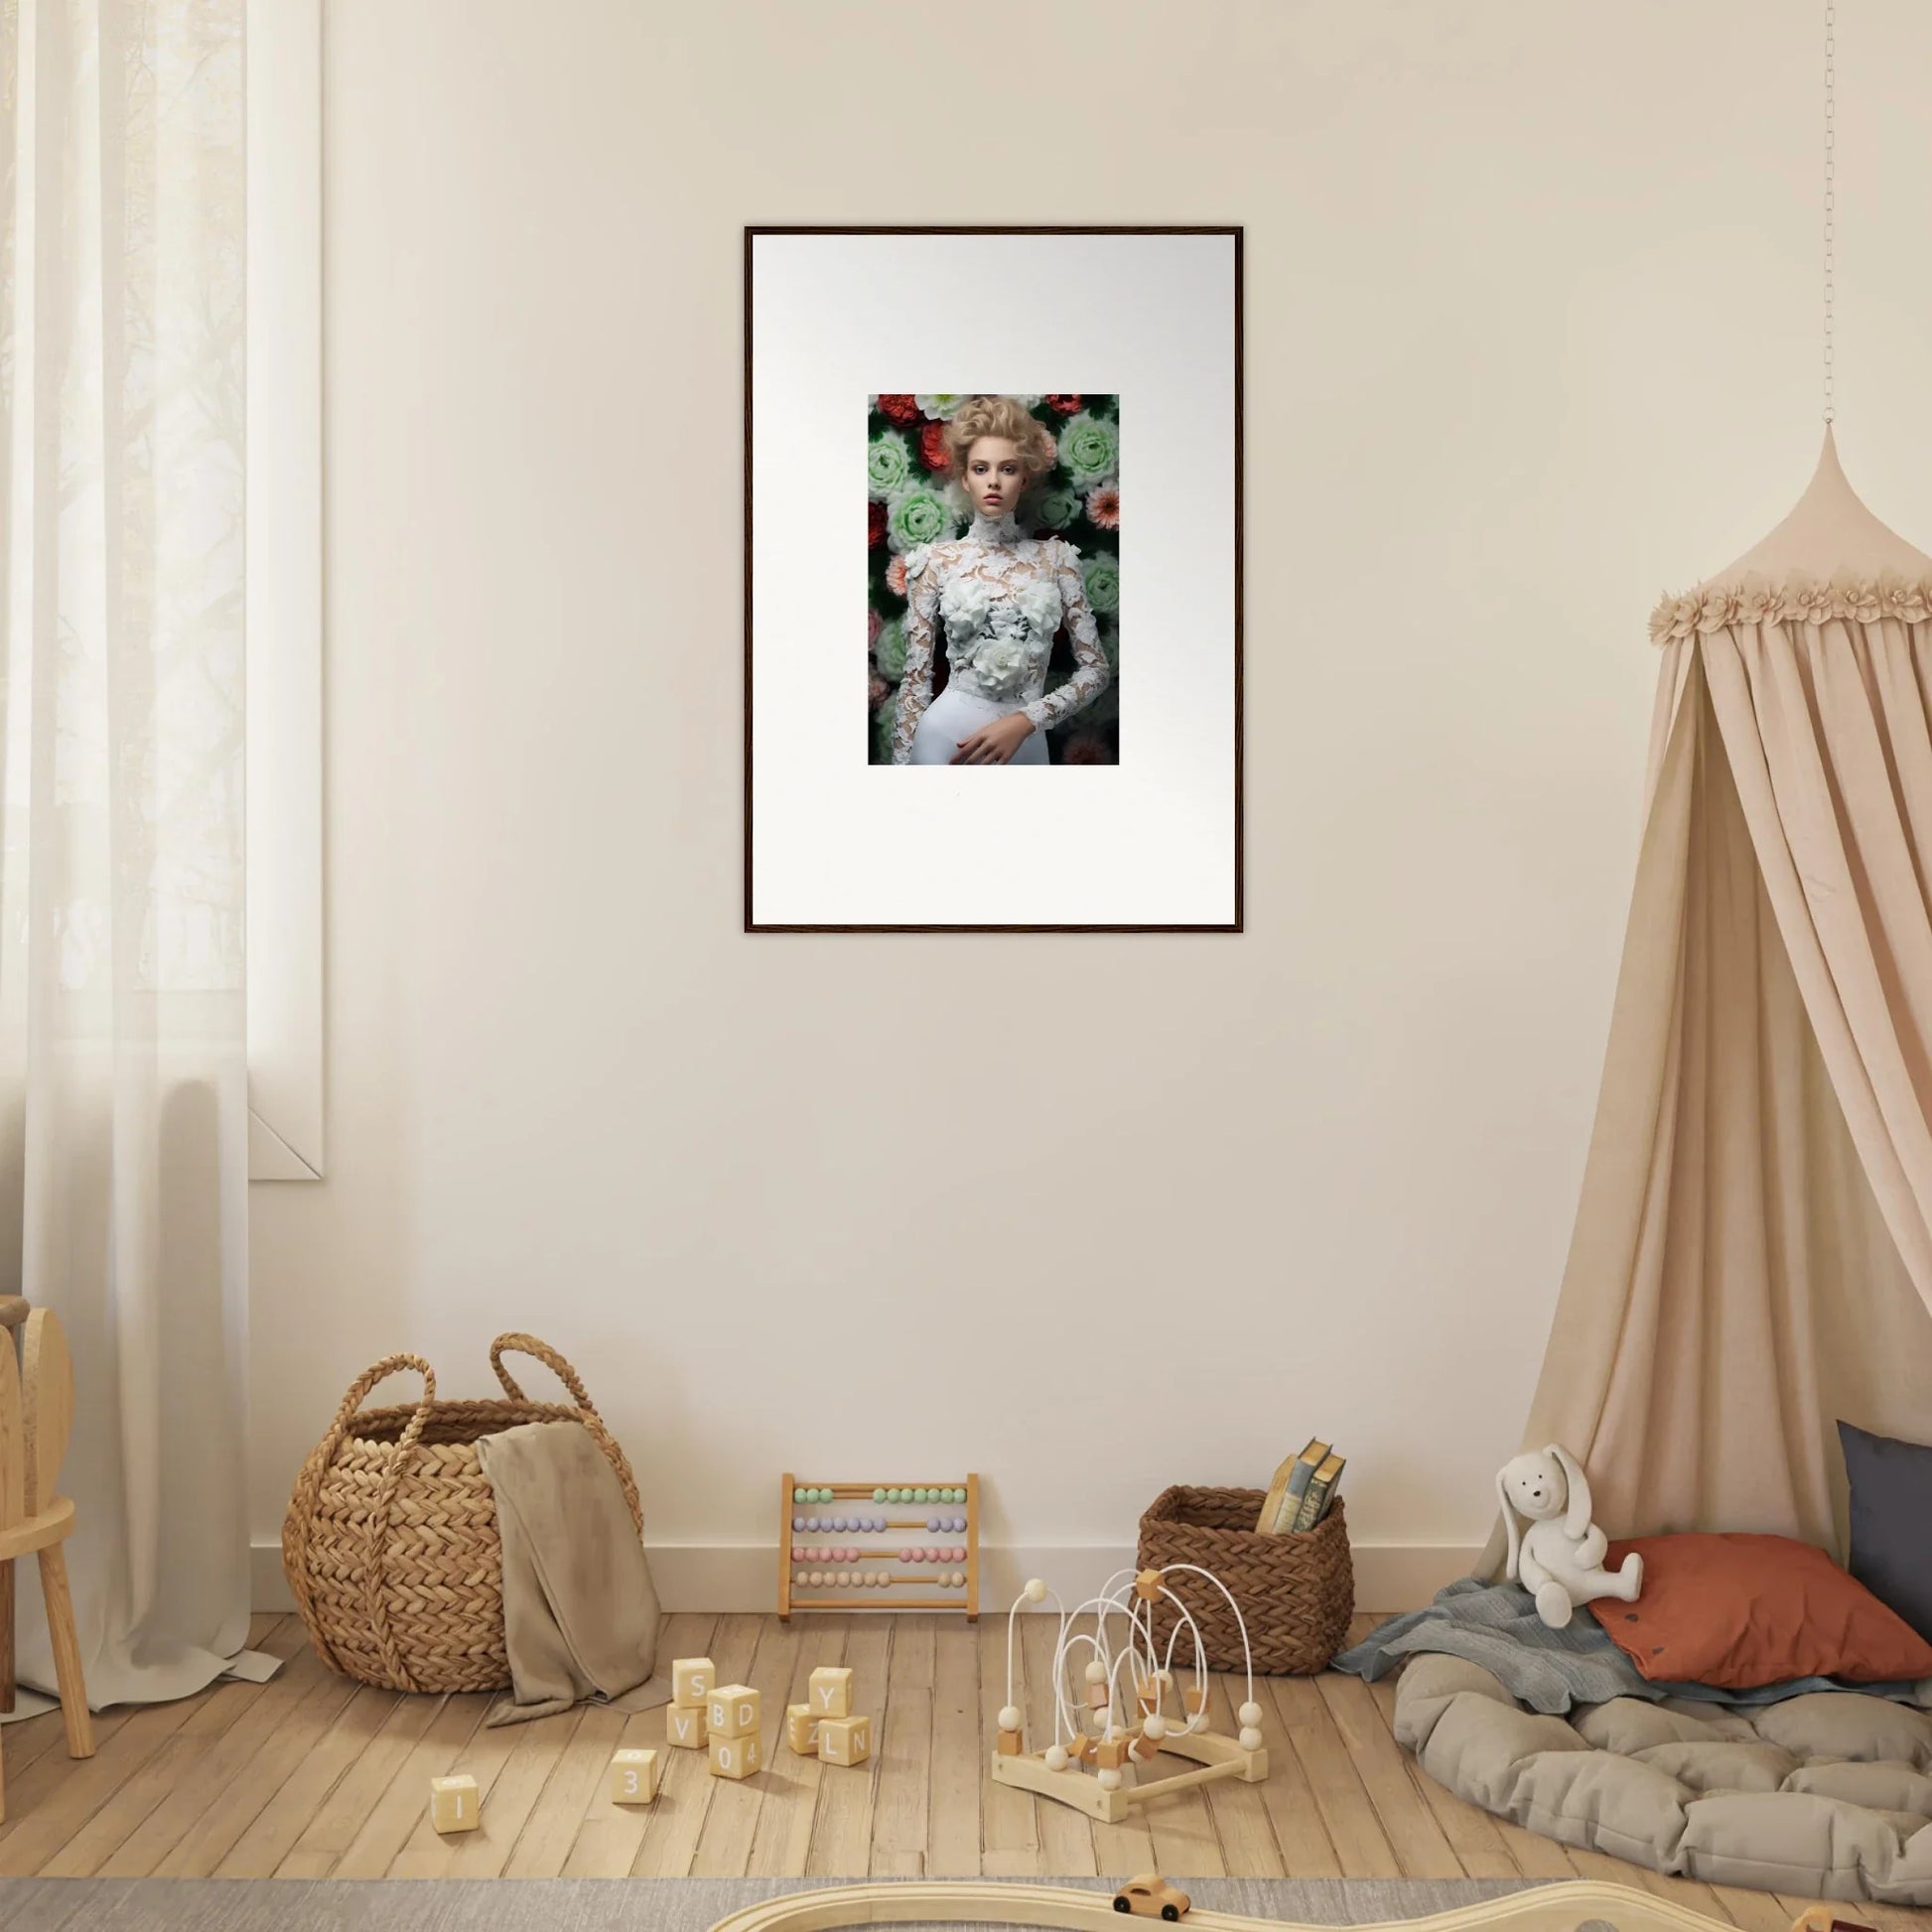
1891 1522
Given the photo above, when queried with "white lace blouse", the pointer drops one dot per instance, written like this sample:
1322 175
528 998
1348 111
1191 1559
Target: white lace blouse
1000 595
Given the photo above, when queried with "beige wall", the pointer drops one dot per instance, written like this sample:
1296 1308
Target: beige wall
1532 334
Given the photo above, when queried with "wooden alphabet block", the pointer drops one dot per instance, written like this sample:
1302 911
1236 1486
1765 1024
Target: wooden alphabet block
732 1710
693 1679
802 1729
735 1757
455 1804
685 1730
1009 1743
634 1777
1110 1753
844 1740
831 1690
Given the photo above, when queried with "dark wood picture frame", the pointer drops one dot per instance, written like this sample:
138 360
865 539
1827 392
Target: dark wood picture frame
1233 230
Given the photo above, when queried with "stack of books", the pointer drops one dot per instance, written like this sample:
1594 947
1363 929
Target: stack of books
1302 1492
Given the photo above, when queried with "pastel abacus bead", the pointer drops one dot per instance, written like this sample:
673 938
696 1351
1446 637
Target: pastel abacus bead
879 1495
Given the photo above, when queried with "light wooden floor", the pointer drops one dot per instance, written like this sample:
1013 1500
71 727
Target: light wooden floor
309 1776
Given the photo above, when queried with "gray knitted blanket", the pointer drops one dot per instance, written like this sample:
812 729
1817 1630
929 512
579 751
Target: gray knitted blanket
1496 1625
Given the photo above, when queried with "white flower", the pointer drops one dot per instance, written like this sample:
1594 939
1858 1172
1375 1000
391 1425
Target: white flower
964 604
1039 603
1000 667
942 409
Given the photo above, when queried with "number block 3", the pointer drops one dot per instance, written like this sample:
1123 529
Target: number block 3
634 1777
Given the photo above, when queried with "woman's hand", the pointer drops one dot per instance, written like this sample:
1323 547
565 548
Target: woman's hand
995 744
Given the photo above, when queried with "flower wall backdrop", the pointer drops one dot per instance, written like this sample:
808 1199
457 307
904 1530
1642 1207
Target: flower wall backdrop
914 498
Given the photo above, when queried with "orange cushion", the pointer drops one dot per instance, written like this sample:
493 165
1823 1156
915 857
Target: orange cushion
1740 1611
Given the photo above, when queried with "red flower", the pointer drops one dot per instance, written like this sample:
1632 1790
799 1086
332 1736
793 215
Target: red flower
875 525
900 409
932 448
1085 748
1066 405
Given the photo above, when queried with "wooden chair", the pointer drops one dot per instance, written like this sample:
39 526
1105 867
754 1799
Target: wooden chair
36 1420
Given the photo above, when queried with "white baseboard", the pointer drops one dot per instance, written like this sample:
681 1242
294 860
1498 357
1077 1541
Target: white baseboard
723 1577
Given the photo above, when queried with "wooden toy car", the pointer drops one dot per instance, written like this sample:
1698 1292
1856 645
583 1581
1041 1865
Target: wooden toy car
1151 1896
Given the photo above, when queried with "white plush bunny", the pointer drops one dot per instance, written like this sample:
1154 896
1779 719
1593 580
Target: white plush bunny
1561 1558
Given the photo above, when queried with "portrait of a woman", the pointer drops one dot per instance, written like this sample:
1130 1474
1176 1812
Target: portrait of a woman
995 597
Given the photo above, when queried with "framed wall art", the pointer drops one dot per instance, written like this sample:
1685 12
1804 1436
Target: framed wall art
1044 729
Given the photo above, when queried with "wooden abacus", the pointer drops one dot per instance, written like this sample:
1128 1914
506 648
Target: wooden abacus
917 1535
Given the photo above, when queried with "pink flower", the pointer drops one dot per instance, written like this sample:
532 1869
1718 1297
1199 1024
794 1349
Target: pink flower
1085 748
875 624
877 692
895 575
1103 507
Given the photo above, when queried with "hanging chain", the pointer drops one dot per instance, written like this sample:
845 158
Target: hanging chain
1831 187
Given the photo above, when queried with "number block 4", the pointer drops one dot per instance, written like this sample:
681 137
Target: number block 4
634 1777
455 1804
735 1757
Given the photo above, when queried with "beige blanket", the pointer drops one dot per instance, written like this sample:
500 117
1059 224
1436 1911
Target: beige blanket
580 1612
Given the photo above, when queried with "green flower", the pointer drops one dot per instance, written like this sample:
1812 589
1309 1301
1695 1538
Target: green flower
1102 571
1055 508
1091 450
918 513
889 465
890 650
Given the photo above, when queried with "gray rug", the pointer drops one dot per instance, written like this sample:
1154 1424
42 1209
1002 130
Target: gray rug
607 1904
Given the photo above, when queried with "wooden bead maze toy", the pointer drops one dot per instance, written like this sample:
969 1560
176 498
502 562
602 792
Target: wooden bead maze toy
896 1546
1087 1771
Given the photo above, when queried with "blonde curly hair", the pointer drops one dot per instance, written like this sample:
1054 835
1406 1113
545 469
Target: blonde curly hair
1000 416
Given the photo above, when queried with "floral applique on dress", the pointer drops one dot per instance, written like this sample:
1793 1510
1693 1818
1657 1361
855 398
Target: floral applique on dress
999 595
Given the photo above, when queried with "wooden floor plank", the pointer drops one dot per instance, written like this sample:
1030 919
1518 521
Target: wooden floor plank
724 1848
842 1841
675 1827
1066 1848
1361 1845
161 1800
902 1823
782 1842
511 1764
332 1829
958 1778
1008 1819
311 1780
309 1775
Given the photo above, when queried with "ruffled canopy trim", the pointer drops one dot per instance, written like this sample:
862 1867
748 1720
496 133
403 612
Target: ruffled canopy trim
1794 600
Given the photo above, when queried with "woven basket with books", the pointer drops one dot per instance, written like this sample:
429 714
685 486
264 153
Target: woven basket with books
1297 1590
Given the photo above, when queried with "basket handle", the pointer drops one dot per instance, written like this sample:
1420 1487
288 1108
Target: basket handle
522 1344
295 1561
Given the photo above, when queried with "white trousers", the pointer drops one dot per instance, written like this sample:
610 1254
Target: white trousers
955 714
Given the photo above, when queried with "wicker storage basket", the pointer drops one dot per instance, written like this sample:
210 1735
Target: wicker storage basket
391 1545
1295 1591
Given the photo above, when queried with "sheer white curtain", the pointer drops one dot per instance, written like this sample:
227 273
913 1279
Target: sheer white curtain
123 1100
